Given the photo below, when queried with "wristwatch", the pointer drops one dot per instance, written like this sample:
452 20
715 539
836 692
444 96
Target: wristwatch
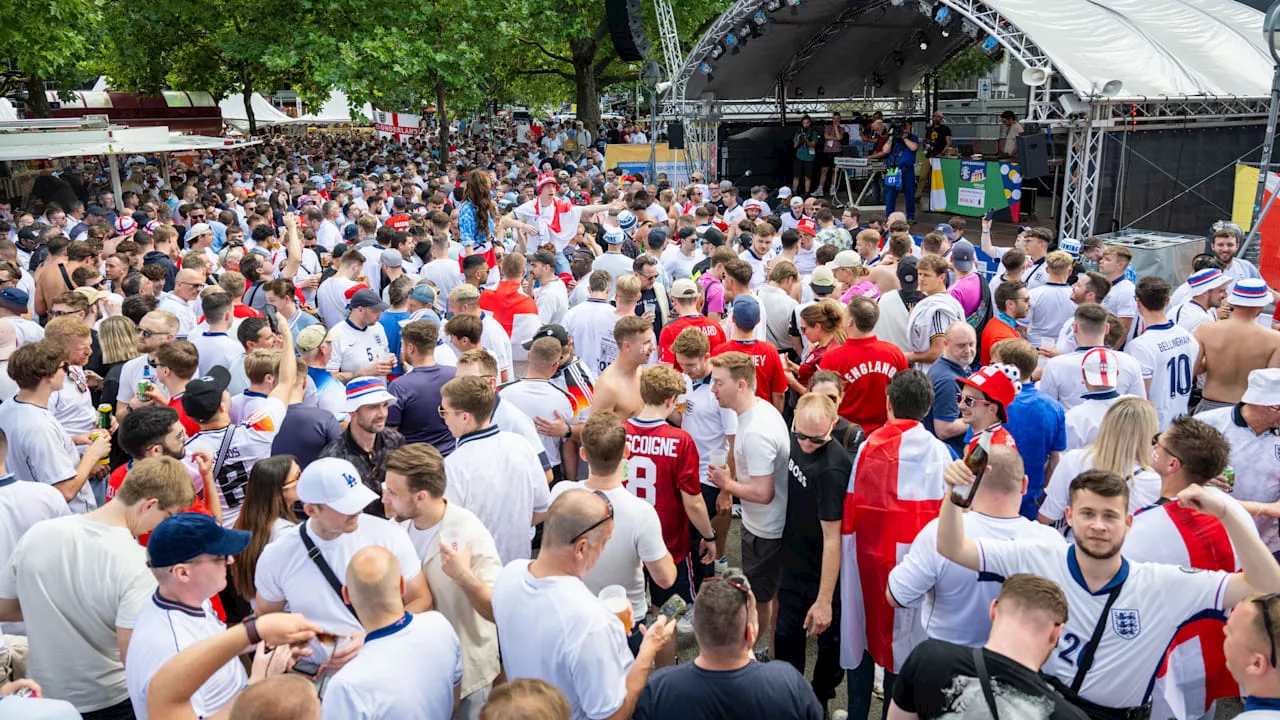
568 431
251 629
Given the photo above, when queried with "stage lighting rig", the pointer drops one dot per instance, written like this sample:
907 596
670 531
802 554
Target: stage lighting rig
922 40
706 68
992 47
877 81
897 3
716 52
773 6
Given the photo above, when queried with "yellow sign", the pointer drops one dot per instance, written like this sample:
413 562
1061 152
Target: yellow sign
1242 199
635 159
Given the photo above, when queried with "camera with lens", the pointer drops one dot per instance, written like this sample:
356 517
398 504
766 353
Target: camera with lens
896 126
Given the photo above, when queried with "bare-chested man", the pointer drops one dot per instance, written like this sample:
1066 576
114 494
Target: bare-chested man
618 388
1230 349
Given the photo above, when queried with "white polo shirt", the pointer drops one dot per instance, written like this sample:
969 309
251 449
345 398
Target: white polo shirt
496 340
354 349
1190 316
41 451
590 324
1122 300
1168 355
557 630
164 629
497 476
954 600
180 309
1154 600
1085 419
406 670
553 302
214 349
1256 460
707 423
537 397
1062 379
286 574
510 419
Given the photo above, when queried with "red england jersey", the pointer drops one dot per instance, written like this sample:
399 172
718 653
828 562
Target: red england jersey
770 375
866 365
191 426
709 327
999 436
662 464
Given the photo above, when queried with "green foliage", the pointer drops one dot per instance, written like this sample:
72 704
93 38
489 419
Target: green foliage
964 67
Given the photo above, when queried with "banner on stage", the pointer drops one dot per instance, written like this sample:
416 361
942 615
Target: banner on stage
635 159
971 187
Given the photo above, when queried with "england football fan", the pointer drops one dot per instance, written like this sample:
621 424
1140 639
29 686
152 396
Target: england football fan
1251 429
1122 612
235 448
866 364
79 630
1225 244
1034 273
636 545
818 471
771 381
893 492
299 569
213 344
928 321
360 347
1168 353
1012 303
506 416
1231 349
409 665
1083 420
737 282
515 311
687 301
552 627
154 330
591 323
535 396
72 404
959 348
761 451
40 450
491 472
1120 301
1089 288
954 601
417 392
458 558
260 368
188 555
552 296
322 389
941 678
367 440
984 404
465 300
1207 289
334 294
1246 651
180 302
1062 377
1036 422
282 297
617 390
725 675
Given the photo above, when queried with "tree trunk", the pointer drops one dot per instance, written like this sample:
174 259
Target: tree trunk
247 93
37 101
584 79
443 118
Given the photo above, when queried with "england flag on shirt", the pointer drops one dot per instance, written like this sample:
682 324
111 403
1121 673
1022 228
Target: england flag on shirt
1193 674
893 493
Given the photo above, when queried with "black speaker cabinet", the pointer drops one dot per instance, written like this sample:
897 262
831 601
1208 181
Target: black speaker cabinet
1033 155
625 26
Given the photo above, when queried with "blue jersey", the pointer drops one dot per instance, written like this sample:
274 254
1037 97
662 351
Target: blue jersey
1038 425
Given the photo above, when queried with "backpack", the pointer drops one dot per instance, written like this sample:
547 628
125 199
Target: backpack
979 318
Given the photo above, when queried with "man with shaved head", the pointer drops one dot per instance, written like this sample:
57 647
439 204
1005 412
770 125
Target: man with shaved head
181 302
410 665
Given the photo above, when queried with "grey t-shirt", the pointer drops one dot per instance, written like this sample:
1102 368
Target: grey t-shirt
762 447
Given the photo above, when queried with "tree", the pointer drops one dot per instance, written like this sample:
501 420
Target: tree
965 66
47 41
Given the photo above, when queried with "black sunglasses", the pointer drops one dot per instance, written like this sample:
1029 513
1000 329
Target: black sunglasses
1155 442
608 516
1264 603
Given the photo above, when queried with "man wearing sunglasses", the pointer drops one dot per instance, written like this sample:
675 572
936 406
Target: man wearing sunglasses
1250 655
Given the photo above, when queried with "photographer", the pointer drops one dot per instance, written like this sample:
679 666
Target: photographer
805 143
900 176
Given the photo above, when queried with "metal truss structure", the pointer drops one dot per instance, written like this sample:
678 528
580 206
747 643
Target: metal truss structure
1086 118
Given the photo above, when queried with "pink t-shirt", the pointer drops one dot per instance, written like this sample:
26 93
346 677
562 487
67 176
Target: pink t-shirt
713 292
967 292
865 288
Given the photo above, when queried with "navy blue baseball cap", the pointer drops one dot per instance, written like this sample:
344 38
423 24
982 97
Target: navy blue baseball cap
188 535
14 298
746 312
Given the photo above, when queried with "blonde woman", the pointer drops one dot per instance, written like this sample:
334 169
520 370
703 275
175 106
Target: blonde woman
119 343
853 275
1123 447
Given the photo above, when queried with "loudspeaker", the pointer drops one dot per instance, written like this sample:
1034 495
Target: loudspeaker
675 135
625 25
1033 155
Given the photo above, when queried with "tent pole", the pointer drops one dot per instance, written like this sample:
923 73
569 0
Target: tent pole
164 159
114 161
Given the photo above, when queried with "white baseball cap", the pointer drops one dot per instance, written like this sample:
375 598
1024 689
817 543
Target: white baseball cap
334 482
1100 367
1264 388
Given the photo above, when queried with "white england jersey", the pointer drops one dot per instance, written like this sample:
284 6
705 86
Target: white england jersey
1067 336
332 298
1035 274
1154 600
1084 420
1256 460
553 302
1050 305
497 476
494 339
710 425
250 442
1190 316
930 318
354 349
759 267
1168 355
537 397
955 601
215 348
1063 380
590 325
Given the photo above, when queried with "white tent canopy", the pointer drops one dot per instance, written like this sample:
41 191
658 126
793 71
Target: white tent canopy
264 113
335 111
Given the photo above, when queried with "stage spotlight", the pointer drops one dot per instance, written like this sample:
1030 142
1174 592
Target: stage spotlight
970 29
744 31
731 41
716 52
942 15
760 19
773 6
877 81
706 68
922 40
946 31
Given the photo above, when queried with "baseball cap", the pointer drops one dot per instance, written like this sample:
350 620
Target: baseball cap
366 298
992 382
627 220
714 236
391 258
746 312
203 396
822 280
93 295
197 230
657 236
334 482
684 289
807 226
423 293
962 255
366 391
15 298
1264 387
8 339
311 337
784 192
29 235
907 276
797 201
946 231
552 331
1207 279
1250 292
846 259
188 535
350 232
1100 367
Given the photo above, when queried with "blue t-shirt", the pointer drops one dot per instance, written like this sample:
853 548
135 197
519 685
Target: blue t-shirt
906 157
416 411
943 376
1038 425
304 432
390 322
774 690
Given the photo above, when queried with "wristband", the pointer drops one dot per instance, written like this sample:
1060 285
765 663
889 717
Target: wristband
568 431
709 539
251 629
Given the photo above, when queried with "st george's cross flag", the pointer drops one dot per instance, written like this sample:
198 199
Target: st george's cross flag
894 491
1193 674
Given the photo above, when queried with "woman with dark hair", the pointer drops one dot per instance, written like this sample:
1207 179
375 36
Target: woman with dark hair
267 511
478 214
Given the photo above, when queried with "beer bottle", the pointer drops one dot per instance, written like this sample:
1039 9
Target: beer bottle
976 461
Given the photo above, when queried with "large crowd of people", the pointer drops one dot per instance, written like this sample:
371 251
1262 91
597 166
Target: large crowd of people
336 427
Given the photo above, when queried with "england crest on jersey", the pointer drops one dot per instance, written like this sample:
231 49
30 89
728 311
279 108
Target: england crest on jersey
1126 623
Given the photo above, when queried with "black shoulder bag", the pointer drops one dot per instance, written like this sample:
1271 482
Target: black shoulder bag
980 662
313 552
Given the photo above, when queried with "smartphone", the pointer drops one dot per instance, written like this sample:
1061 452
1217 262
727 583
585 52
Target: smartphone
674 607
991 212
306 666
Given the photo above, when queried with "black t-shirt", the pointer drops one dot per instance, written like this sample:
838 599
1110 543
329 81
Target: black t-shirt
937 139
649 303
939 679
816 488
774 690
